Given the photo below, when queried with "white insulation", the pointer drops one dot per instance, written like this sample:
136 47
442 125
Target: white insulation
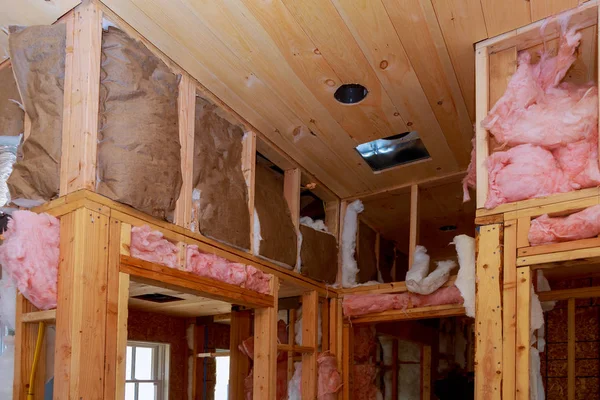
465 281
536 383
349 265
295 383
298 267
256 233
298 328
8 156
387 344
418 278
317 224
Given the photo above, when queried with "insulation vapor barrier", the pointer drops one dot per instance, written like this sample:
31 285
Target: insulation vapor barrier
29 256
549 127
151 246
38 59
221 206
138 95
580 225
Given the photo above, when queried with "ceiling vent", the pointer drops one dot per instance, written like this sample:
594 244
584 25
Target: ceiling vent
401 149
157 298
351 93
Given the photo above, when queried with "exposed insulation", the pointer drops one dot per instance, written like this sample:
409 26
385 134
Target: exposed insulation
8 305
279 241
364 387
349 264
465 280
580 225
151 246
139 161
319 255
298 327
418 278
11 115
29 256
317 224
223 204
361 304
38 59
366 257
329 379
215 267
364 343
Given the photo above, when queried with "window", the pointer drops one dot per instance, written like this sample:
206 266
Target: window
222 385
147 371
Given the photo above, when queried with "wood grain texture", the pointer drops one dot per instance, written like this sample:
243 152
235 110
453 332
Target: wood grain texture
310 312
265 350
523 345
502 16
239 364
509 310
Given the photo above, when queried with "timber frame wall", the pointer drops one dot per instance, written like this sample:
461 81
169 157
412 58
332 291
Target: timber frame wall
506 263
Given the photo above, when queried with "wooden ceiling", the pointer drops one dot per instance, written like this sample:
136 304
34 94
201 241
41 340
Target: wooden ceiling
277 63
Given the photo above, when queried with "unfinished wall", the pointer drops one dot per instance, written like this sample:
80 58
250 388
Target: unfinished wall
209 337
587 345
11 116
221 212
38 59
139 160
366 256
386 258
319 255
150 327
279 241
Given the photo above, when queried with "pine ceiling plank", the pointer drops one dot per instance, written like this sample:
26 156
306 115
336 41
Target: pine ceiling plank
322 22
175 30
544 8
505 15
232 23
428 55
462 25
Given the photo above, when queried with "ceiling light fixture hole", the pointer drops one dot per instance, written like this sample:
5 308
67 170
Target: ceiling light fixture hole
350 93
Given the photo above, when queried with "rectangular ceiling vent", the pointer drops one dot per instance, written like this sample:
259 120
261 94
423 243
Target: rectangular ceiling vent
401 149
157 298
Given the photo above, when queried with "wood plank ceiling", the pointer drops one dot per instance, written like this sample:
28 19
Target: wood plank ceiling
277 63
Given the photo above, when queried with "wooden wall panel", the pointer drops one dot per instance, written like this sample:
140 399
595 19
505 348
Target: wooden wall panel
506 15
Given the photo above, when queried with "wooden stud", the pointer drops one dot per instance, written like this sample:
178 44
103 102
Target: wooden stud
336 329
239 363
395 368
445 310
481 109
81 316
426 372
249 170
343 207
565 294
291 192
523 226
559 247
186 106
48 316
325 322
310 312
571 350
377 249
414 224
332 216
523 338
509 310
488 316
291 341
347 361
81 99
265 349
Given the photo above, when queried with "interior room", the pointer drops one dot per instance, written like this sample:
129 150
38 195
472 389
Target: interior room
299 199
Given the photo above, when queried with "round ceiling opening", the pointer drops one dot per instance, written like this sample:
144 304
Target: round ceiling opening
350 93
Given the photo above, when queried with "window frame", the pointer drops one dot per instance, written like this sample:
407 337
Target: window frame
160 368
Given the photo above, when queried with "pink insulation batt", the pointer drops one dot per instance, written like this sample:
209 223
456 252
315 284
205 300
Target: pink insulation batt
151 246
547 129
580 225
329 378
215 267
363 385
356 305
29 256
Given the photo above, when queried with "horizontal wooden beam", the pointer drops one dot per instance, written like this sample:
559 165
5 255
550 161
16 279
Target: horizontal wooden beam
295 348
558 247
171 278
562 258
383 288
39 316
447 310
579 293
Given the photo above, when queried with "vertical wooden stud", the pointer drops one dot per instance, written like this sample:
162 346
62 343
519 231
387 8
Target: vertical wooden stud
249 170
116 317
523 225
426 372
343 207
488 317
335 329
265 349
325 321
523 337
347 361
395 368
81 99
310 311
414 224
332 216
239 363
81 316
571 350
509 309
377 252
481 135
291 340
186 106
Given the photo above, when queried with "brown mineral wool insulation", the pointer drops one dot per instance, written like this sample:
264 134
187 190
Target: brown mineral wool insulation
11 115
318 254
38 59
139 161
223 207
366 258
279 241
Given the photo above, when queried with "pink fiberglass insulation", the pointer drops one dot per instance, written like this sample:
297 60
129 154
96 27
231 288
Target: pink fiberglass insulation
215 267
329 377
363 385
356 305
151 246
29 256
364 342
247 346
553 127
580 225
470 180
